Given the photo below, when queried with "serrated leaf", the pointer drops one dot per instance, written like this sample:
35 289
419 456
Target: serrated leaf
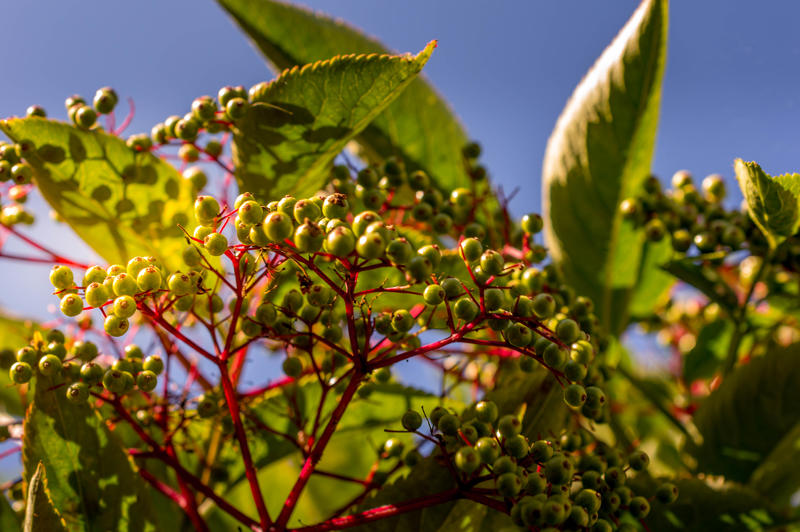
702 507
599 154
14 333
303 119
418 127
121 203
744 419
40 515
91 479
771 201
778 476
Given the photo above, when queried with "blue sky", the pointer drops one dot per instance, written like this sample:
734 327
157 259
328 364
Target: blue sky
730 88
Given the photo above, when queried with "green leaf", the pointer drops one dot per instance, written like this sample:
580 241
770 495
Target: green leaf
121 203
8 517
747 417
771 201
709 351
778 476
428 477
303 119
279 462
707 281
40 515
599 154
92 482
702 507
418 127
539 392
653 283
14 333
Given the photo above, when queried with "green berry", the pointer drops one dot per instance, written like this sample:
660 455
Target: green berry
575 395
340 242
335 206
399 251
639 460
509 426
124 306
154 364
532 223
292 367
49 365
554 356
508 485
466 309
486 411
20 372
471 249
467 460
667 493
518 335
206 209
78 393
370 245
278 227
442 223
412 420
21 173
488 450
216 244
61 277
91 373
541 451
115 326
544 306
308 238
491 262
125 285
449 424
567 331
146 381
558 470
595 398
149 278
516 446
433 294
71 305
402 320
114 381
180 284
419 269
639 507
85 116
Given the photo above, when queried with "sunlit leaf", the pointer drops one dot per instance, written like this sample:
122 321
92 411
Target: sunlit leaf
40 515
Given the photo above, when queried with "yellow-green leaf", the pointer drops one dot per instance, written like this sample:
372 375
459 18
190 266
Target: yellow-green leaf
119 202
40 515
771 201
302 120
600 153
14 333
91 479
419 126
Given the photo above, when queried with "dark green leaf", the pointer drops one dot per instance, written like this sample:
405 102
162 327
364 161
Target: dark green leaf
702 507
751 412
418 127
40 515
778 476
119 202
709 351
705 280
428 477
771 201
14 333
92 482
303 119
600 154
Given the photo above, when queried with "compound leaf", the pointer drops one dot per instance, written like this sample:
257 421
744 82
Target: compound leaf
598 154
418 126
120 202
302 120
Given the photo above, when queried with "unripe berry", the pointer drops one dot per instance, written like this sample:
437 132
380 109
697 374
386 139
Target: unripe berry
206 209
449 424
471 248
508 485
411 420
567 331
114 381
308 238
544 306
466 309
196 176
207 406
216 244
91 373
293 367
487 449
370 245
393 448
486 411
115 326
61 277
509 425
335 206
639 460
518 335
146 381
49 365
516 446
491 262
442 223
419 269
149 279
278 227
433 294
71 305
541 451
639 507
595 398
399 251
467 460
204 108
532 223
667 493
85 116
28 355
153 363
558 470
21 173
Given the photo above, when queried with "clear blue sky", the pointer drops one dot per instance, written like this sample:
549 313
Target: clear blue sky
730 90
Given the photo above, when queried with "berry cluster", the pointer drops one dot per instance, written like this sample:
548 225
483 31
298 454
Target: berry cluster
15 176
570 483
74 364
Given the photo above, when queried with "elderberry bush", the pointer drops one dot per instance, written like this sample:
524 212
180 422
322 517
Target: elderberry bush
315 311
